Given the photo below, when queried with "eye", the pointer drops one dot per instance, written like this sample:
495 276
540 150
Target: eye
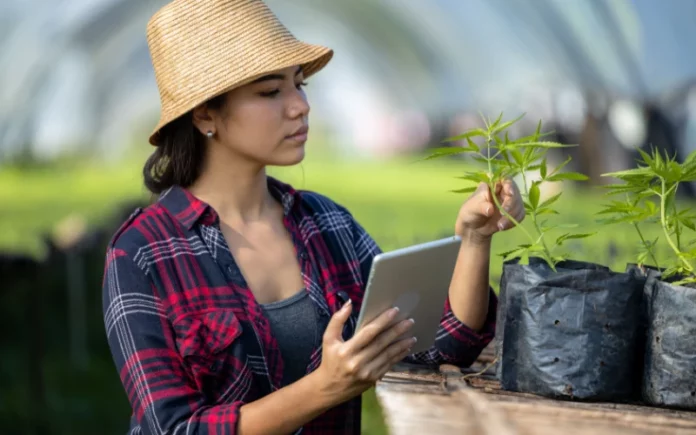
270 94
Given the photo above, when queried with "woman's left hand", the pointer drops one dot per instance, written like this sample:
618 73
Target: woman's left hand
479 218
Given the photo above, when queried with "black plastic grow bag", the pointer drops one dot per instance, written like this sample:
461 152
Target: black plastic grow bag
572 333
669 376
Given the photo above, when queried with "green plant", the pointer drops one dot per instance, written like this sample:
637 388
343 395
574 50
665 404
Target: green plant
500 158
650 192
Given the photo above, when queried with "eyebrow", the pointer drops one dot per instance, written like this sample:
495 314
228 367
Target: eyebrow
275 76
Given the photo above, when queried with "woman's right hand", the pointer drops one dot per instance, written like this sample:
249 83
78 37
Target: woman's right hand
348 368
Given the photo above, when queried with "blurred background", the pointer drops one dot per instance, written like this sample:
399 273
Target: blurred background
78 99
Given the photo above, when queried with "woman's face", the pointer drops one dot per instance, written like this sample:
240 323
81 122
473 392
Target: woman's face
263 122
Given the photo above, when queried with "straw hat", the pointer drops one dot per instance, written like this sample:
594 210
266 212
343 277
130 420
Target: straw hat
204 48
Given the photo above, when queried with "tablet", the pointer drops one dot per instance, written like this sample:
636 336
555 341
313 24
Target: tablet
415 279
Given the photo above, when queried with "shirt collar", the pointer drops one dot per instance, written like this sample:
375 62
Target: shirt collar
189 210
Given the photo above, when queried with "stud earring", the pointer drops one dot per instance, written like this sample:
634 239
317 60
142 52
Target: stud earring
210 134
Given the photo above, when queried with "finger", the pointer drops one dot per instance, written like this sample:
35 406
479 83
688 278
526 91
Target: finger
509 187
505 223
521 213
367 333
376 368
334 330
385 339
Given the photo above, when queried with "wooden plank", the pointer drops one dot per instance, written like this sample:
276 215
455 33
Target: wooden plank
416 399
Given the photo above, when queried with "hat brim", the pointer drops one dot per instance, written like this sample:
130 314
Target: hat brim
312 59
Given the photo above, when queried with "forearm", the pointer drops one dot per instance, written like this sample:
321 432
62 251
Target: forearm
287 409
469 289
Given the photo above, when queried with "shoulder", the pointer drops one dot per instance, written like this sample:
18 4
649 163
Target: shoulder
320 203
144 227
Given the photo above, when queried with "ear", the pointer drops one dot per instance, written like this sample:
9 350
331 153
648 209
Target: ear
203 119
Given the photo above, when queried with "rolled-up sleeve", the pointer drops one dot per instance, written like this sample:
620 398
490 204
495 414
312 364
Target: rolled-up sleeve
163 396
455 342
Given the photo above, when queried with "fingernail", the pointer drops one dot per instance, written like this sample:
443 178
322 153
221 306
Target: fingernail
488 210
501 226
347 304
394 311
414 340
412 320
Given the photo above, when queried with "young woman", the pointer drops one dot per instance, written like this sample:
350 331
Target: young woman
230 303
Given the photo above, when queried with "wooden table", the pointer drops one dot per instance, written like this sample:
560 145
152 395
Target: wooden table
417 400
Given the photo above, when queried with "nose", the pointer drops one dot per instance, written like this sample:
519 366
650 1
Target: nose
298 107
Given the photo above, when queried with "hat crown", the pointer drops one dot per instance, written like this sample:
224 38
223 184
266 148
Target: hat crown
195 41
203 48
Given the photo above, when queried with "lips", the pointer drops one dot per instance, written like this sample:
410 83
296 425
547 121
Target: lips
302 131
300 135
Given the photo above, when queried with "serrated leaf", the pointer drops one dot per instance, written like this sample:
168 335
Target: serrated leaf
475 132
635 172
551 200
646 157
575 176
651 207
545 210
561 166
542 168
496 122
688 223
545 144
513 253
476 177
465 190
534 195
568 236
497 128
473 145
517 156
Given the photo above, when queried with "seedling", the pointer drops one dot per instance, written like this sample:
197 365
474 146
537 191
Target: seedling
499 158
650 192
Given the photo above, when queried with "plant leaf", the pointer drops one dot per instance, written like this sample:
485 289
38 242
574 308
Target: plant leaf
476 177
568 176
542 168
569 236
545 210
551 200
473 145
497 128
534 195
544 144
465 190
475 132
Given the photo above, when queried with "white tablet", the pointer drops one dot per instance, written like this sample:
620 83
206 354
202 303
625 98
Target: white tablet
415 279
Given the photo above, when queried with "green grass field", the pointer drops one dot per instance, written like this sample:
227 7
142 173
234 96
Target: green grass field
398 202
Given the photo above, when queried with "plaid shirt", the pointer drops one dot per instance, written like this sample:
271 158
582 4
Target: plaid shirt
189 340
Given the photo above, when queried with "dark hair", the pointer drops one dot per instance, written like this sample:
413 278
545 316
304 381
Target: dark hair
178 158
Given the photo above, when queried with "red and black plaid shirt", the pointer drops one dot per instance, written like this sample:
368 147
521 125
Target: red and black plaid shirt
191 343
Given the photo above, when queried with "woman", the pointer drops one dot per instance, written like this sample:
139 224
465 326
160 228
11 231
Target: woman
230 303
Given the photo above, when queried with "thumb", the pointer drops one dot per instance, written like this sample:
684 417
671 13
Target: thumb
334 330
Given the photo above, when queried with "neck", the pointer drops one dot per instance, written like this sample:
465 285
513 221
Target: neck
235 188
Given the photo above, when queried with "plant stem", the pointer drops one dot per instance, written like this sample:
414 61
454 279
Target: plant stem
534 216
663 221
524 182
650 250
676 221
